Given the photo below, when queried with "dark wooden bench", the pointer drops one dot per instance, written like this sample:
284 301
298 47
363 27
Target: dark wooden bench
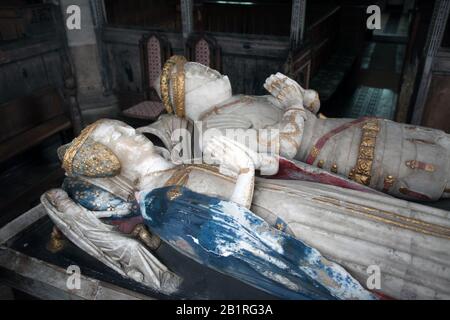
29 120
26 168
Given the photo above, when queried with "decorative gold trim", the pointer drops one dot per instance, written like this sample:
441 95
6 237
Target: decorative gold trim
413 164
290 136
351 174
72 150
164 81
314 152
57 241
320 163
179 89
141 232
390 218
362 172
388 183
174 193
334 168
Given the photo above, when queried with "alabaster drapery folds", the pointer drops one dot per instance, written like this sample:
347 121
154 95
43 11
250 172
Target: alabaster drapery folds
293 239
402 160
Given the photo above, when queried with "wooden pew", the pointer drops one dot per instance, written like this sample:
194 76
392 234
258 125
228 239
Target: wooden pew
25 174
29 120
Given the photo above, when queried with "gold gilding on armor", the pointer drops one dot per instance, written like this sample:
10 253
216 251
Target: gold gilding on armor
320 163
334 168
388 183
351 174
314 151
413 164
178 85
361 173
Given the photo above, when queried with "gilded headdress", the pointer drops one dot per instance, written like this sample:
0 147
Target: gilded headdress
178 85
86 157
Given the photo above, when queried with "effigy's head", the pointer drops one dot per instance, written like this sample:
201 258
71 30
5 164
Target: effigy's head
107 148
189 89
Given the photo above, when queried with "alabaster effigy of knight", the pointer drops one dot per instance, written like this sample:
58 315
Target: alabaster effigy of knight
295 239
402 160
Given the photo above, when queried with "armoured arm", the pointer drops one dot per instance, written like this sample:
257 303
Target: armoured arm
289 95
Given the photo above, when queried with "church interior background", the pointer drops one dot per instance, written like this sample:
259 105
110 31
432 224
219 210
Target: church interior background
55 81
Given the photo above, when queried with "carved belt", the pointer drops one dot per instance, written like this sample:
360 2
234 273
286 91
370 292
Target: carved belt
362 172
324 139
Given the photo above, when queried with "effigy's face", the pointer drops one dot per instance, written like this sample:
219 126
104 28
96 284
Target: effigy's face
110 147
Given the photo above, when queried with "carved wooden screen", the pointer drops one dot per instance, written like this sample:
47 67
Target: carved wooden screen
204 49
155 50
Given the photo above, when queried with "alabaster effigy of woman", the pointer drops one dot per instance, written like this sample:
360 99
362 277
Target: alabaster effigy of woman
292 238
402 160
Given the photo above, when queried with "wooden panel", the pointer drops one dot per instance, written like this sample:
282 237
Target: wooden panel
28 66
260 17
437 112
161 14
247 60
24 141
53 69
12 23
125 62
247 74
22 114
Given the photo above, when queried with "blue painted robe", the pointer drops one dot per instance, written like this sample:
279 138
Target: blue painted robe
231 239
95 198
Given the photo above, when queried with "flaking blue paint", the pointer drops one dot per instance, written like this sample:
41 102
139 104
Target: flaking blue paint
95 198
231 239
